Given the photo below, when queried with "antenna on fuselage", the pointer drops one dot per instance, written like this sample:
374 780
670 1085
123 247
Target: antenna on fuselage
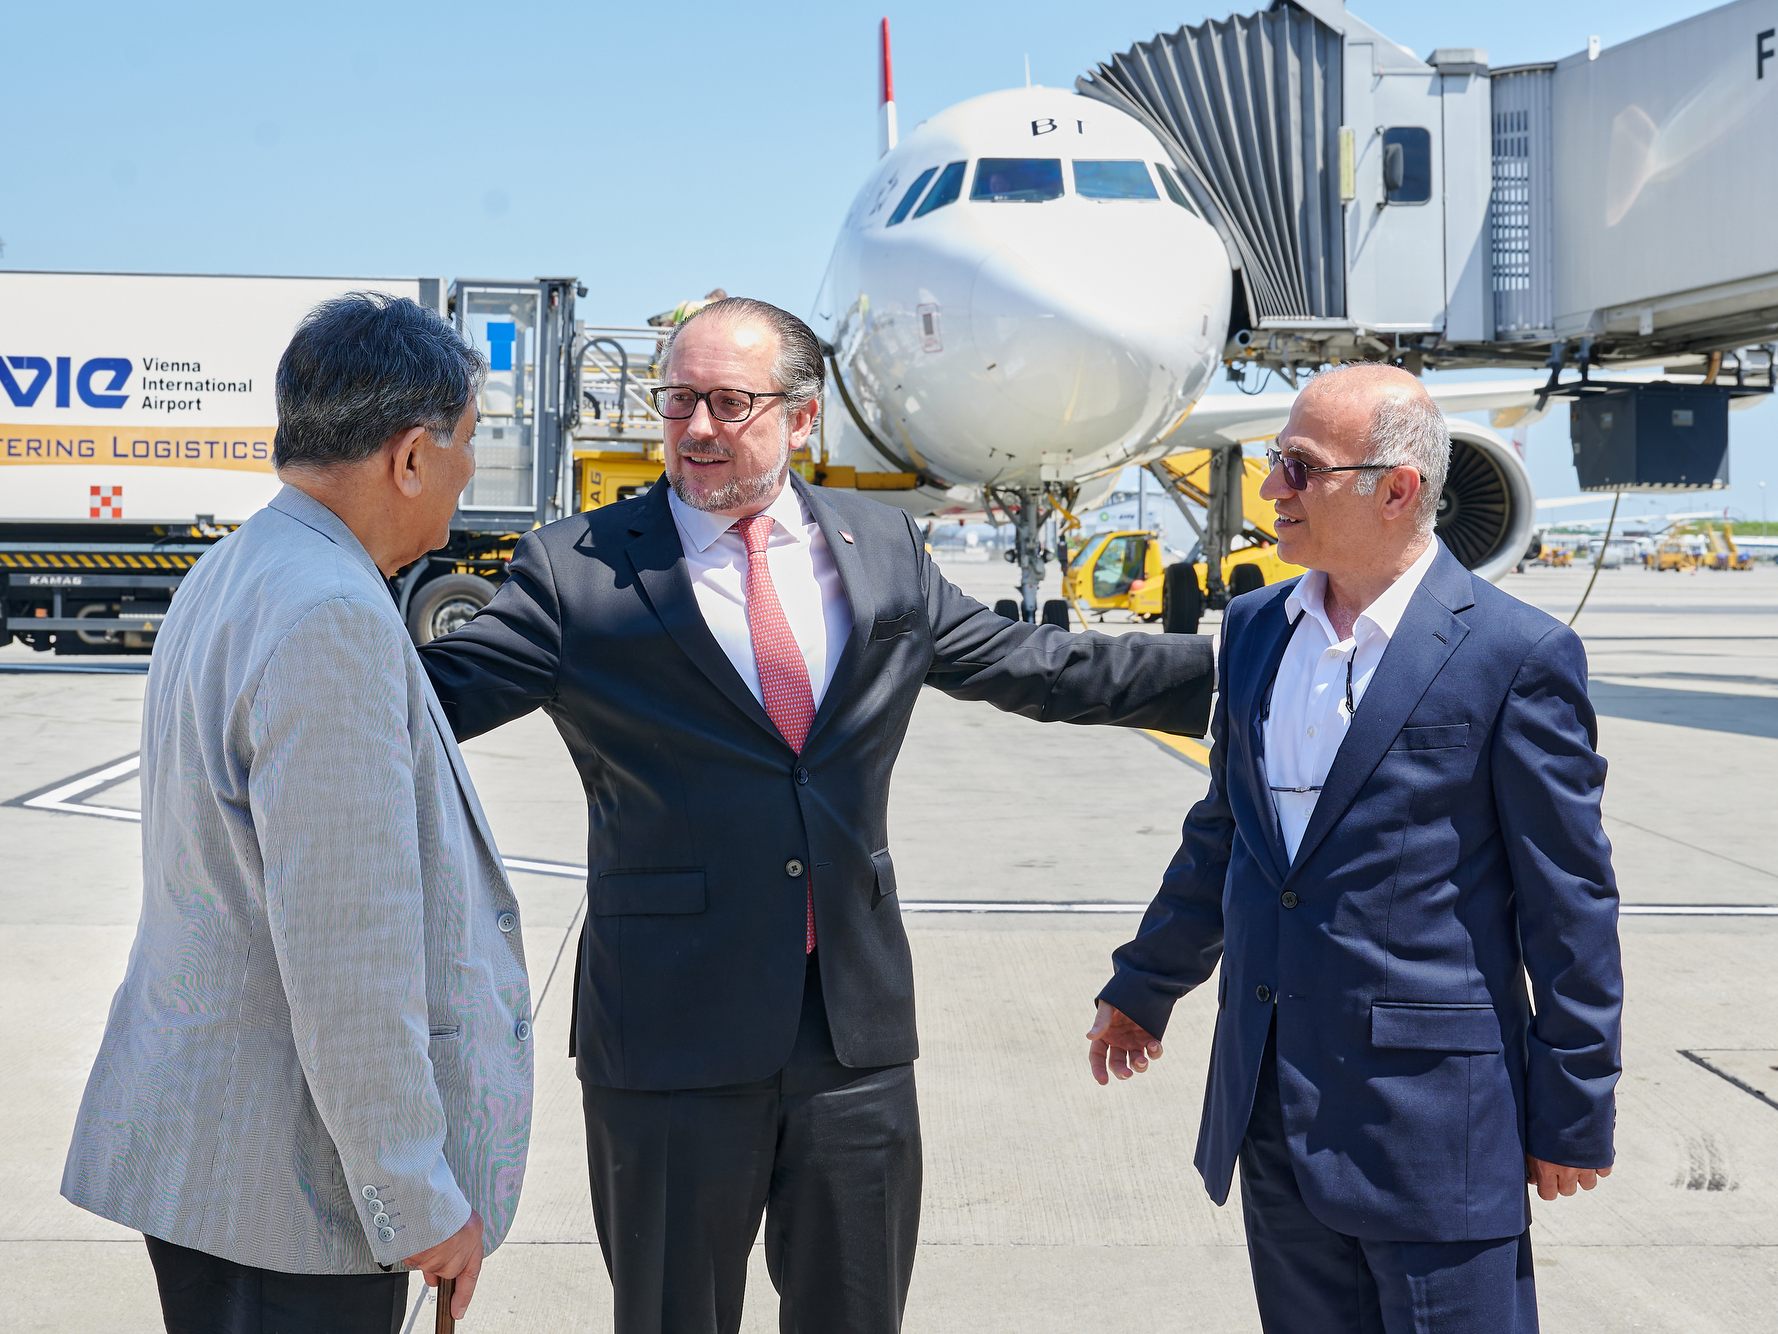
886 100
1027 69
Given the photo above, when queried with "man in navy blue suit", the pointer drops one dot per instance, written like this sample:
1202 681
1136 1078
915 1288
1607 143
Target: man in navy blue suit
1400 864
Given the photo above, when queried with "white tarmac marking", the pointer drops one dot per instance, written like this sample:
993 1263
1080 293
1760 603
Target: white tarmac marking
64 801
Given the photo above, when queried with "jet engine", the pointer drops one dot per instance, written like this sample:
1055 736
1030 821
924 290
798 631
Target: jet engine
1486 514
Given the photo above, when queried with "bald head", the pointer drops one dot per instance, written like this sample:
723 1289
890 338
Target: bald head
1390 411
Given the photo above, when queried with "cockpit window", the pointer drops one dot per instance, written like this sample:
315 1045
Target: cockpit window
1113 180
949 186
906 206
1023 180
1171 186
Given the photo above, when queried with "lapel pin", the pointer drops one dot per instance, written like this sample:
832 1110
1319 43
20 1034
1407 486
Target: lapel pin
848 537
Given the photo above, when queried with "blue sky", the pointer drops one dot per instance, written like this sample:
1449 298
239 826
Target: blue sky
654 151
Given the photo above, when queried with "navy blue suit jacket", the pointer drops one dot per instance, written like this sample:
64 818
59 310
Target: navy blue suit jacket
1455 853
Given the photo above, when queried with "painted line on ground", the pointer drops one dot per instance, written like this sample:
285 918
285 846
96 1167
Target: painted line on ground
60 797
63 798
1697 1058
1194 753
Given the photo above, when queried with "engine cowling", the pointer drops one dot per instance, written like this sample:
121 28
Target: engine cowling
1487 512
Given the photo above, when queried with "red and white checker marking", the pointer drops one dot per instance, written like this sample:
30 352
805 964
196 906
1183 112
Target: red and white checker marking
106 502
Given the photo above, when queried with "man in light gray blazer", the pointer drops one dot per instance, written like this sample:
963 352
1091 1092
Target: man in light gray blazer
318 1067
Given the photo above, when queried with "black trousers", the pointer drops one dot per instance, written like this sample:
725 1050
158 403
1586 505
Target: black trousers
1310 1279
828 1155
205 1294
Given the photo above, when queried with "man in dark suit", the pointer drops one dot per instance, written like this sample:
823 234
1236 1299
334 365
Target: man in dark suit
732 660
1402 827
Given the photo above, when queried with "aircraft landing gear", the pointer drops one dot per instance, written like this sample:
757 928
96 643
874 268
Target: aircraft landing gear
1028 507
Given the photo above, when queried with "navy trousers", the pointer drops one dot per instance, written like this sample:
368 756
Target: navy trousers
1312 1280
205 1294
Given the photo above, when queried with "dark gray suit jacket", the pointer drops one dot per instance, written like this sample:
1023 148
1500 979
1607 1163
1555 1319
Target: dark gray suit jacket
703 826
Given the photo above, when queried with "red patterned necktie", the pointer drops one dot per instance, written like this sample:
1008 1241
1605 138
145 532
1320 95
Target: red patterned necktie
783 675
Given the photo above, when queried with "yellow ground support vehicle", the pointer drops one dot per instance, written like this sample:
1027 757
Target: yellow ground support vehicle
1677 551
1720 551
1125 571
1130 570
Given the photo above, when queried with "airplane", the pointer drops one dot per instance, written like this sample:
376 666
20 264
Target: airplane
1021 302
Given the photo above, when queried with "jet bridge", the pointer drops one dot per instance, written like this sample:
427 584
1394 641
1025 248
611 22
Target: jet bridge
1607 208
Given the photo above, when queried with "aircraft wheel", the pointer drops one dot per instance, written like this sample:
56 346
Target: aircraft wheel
1009 608
1055 612
1182 600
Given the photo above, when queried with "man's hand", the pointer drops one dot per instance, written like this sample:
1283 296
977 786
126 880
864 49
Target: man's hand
459 1257
1120 1044
1553 1179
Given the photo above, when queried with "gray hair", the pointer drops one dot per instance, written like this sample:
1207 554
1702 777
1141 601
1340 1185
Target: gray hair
799 370
366 366
1409 430
1406 430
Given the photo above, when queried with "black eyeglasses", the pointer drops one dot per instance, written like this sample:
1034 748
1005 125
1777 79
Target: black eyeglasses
676 402
1296 472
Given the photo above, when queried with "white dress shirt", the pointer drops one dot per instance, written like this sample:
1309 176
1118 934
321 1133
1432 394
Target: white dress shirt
803 573
1308 718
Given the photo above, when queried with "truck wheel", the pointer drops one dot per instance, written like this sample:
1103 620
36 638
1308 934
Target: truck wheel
446 604
1245 579
1009 608
1055 612
1182 599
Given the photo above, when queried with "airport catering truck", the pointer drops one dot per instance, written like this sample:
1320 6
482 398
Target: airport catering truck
137 413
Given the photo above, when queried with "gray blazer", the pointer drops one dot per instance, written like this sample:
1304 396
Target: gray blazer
320 1056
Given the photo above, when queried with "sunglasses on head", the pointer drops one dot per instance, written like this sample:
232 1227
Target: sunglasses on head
1296 471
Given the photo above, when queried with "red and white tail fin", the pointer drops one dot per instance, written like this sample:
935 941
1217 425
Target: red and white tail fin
886 135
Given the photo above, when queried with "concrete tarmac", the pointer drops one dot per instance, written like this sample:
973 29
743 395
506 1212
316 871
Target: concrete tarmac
1023 853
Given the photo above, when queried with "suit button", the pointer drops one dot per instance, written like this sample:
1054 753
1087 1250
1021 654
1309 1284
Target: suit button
1290 900
523 1030
802 776
381 1220
376 1205
1262 992
370 1192
506 921
385 1234
793 868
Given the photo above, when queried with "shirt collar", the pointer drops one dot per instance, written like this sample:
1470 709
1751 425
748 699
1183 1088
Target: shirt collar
1382 617
702 530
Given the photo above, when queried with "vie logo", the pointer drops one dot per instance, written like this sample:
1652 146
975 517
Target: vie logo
23 380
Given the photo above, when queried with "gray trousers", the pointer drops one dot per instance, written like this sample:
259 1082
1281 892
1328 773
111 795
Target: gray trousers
827 1155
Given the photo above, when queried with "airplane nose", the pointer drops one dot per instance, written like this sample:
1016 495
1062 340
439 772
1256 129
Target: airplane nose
1063 350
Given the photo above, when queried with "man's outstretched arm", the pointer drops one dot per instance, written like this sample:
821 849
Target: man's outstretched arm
1056 676
503 663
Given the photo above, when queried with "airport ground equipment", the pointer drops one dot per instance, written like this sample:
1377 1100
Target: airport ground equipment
1714 547
1128 570
137 414
1612 207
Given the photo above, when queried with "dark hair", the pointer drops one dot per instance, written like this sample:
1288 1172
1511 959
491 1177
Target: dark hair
799 369
363 367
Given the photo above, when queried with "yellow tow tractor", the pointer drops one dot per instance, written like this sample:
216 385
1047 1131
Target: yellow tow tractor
1131 570
1678 551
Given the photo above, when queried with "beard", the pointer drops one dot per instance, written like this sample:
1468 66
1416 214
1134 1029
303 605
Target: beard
740 492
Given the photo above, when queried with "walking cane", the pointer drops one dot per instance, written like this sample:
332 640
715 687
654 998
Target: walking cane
447 1323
